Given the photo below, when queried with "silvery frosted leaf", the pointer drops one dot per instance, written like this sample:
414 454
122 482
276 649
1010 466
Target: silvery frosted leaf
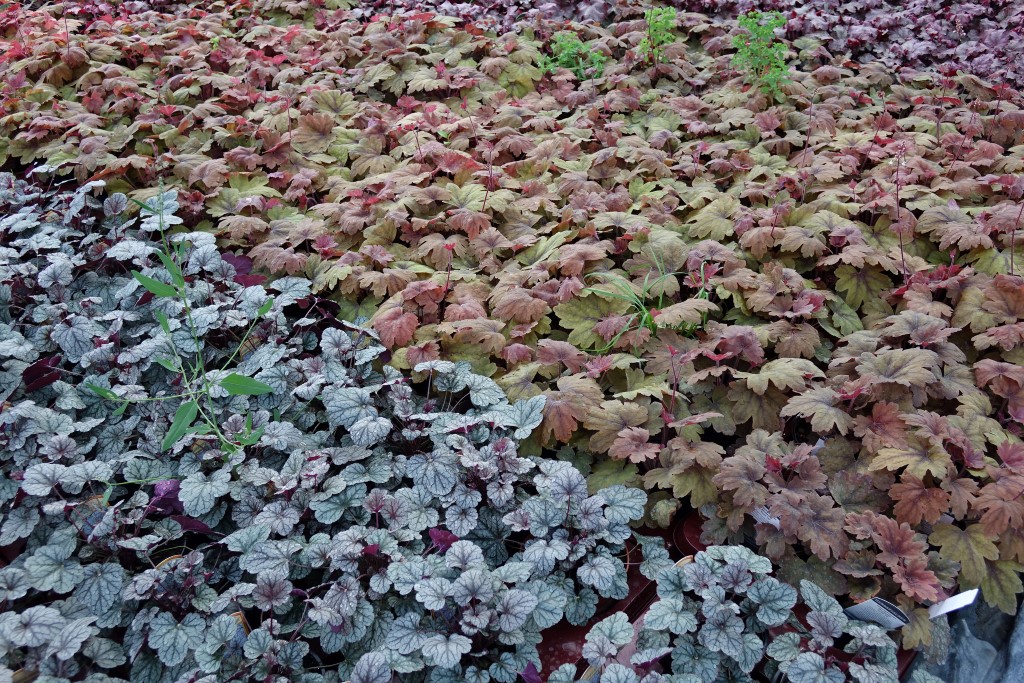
473 584
617 673
775 600
59 272
551 603
272 593
370 431
130 250
199 492
74 478
433 593
624 504
615 628
648 656
270 559
347 405
567 486
453 379
544 553
13 584
115 204
563 674
279 516
598 571
508 666
100 587
484 391
405 634
513 572
722 632
446 652
460 520
34 626
50 568
524 416
291 289
371 668
693 659
656 556
818 600
463 555
436 471
74 336
736 554
69 641
826 627
173 640
14 345
39 479
105 653
871 635
873 673
514 608
580 606
670 615
243 539
19 524
750 653
810 667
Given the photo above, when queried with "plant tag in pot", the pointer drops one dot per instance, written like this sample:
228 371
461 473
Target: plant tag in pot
879 611
954 603
763 516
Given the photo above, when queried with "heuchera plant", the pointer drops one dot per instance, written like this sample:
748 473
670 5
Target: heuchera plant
845 265
721 617
365 526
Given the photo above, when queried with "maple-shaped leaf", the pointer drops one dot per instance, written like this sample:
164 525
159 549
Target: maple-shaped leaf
822 407
484 333
741 473
921 457
714 221
907 367
568 406
395 326
1005 337
861 284
608 419
785 373
518 305
551 351
969 546
313 134
212 173
916 502
580 315
1002 584
634 443
691 311
813 519
917 581
953 226
1004 379
884 427
1001 502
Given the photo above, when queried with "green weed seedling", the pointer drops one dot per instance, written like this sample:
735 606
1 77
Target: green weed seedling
759 54
660 24
196 398
569 52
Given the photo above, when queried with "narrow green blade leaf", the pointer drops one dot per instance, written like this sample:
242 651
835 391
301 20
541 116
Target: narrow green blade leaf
102 392
239 385
172 268
162 319
265 308
183 419
155 286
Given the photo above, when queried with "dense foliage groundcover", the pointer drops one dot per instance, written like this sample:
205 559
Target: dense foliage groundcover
698 278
